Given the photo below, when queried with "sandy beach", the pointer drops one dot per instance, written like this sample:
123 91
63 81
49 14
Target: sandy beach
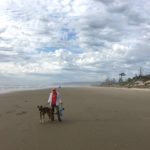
94 119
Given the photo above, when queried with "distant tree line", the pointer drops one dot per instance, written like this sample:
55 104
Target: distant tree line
121 81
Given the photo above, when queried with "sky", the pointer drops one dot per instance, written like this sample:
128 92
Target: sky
56 41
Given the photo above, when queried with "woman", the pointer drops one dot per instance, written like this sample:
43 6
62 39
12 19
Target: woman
55 101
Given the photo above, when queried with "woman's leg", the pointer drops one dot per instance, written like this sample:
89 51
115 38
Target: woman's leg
58 113
53 109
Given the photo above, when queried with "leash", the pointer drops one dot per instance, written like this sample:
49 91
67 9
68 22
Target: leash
47 105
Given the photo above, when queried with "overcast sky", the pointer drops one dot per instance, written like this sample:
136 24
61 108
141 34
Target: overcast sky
73 40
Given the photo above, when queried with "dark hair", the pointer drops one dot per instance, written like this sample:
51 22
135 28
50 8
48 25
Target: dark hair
54 90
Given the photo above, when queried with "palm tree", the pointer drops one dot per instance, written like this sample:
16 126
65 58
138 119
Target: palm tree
121 75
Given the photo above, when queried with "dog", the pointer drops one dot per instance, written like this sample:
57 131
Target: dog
44 110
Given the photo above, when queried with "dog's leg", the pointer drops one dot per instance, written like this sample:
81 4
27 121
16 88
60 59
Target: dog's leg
40 117
49 115
43 117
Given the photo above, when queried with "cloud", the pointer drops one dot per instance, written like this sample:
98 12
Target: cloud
64 37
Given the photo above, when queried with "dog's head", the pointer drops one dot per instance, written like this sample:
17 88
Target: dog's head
40 107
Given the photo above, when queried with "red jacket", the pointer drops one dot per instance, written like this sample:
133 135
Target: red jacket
54 98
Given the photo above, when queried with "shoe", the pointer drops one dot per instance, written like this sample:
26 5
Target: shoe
59 120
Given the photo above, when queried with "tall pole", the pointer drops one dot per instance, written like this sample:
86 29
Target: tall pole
141 72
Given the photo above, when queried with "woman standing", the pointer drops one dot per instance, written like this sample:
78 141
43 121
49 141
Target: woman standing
55 101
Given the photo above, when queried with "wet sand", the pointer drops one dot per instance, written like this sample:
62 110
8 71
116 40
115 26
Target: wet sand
94 119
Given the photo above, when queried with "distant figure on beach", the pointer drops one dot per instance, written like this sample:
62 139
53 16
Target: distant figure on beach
55 103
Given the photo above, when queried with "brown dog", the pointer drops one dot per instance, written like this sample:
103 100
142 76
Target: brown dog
44 110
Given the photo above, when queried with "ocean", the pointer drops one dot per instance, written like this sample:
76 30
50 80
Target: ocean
8 88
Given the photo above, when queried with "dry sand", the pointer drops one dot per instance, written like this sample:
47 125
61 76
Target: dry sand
95 119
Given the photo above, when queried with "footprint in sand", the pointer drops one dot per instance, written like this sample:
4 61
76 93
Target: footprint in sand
17 106
21 113
26 101
10 111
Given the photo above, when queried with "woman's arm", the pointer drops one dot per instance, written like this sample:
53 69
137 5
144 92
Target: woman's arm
50 99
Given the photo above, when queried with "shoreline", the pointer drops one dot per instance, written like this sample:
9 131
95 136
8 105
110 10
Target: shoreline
126 88
5 91
46 88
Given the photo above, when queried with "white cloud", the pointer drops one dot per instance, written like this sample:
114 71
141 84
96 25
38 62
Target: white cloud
54 37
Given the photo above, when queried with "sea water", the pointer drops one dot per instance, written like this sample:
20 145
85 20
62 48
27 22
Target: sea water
13 88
